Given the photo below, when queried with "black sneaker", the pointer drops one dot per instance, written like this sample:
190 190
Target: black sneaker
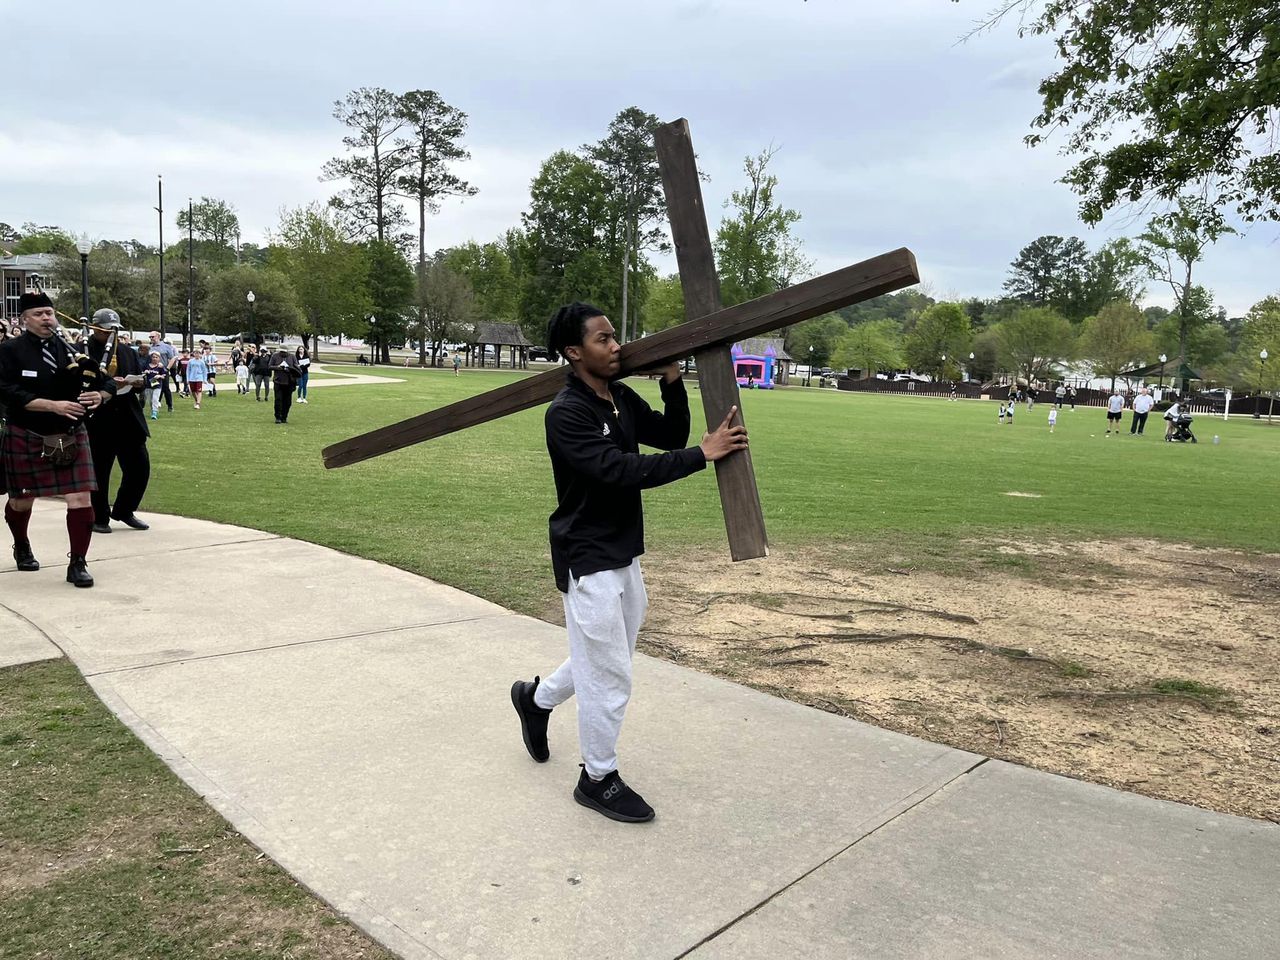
612 797
533 718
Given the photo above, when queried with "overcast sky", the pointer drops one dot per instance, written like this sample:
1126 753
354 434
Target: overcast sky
890 133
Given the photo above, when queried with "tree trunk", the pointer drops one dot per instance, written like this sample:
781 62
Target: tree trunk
422 277
626 276
1182 330
377 189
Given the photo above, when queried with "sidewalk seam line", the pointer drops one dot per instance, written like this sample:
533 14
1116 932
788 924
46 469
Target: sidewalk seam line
843 850
198 546
285 646
37 628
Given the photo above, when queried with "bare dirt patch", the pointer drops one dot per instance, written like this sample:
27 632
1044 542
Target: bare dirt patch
1145 666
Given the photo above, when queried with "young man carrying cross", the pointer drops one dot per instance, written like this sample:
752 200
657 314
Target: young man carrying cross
594 427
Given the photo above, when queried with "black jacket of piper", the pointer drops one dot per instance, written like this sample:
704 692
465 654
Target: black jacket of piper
24 376
122 418
599 471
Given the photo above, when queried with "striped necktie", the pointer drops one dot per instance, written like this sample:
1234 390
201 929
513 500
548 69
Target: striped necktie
46 352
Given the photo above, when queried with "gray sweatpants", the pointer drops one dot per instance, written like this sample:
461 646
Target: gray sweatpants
603 612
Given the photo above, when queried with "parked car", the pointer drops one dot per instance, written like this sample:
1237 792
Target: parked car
539 353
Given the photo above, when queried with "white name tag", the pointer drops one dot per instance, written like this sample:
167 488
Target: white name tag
30 373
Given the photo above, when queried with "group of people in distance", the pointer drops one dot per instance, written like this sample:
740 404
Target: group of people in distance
73 409
192 370
1140 402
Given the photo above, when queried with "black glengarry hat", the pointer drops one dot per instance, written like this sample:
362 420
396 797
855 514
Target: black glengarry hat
29 301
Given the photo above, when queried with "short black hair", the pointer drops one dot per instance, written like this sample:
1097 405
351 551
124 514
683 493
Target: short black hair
566 326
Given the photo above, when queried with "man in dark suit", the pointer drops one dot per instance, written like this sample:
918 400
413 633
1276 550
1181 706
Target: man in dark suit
118 431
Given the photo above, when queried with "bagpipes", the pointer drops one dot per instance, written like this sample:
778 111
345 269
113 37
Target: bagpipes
92 374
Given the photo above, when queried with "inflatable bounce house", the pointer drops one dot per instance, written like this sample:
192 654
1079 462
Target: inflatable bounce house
755 370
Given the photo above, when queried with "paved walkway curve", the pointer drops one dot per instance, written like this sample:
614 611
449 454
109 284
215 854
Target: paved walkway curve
346 379
363 737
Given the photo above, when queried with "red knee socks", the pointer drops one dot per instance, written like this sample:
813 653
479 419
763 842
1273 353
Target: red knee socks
79 529
17 521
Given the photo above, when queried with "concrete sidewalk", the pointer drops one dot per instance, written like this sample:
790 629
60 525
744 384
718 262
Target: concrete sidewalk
363 737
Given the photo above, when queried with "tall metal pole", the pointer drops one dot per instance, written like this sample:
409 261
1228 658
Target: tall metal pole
1257 401
160 214
84 286
191 282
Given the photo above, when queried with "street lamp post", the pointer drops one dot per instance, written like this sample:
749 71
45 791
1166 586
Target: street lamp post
252 331
808 381
83 246
1257 410
968 374
1163 358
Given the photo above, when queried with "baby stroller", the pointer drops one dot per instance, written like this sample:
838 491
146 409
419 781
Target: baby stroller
1182 429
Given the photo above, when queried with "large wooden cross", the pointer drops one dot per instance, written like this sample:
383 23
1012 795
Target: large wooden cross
707 334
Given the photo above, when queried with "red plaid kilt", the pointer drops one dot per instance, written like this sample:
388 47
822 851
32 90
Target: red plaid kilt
28 474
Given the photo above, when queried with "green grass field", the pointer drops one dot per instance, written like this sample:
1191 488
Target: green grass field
833 468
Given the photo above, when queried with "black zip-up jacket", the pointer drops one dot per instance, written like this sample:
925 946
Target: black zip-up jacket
599 471
121 420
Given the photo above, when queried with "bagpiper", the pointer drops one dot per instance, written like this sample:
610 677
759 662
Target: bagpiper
48 391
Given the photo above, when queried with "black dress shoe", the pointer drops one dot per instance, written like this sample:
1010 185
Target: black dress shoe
25 559
101 527
132 521
78 572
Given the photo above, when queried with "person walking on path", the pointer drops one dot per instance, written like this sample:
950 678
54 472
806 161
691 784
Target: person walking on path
118 432
154 377
302 358
242 377
196 375
168 360
457 362
211 367
261 371
184 358
1031 397
284 373
45 447
1071 397
1142 404
594 427
1059 395
1115 410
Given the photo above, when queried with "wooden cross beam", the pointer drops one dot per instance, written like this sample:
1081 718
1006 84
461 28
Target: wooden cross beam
717 379
707 334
